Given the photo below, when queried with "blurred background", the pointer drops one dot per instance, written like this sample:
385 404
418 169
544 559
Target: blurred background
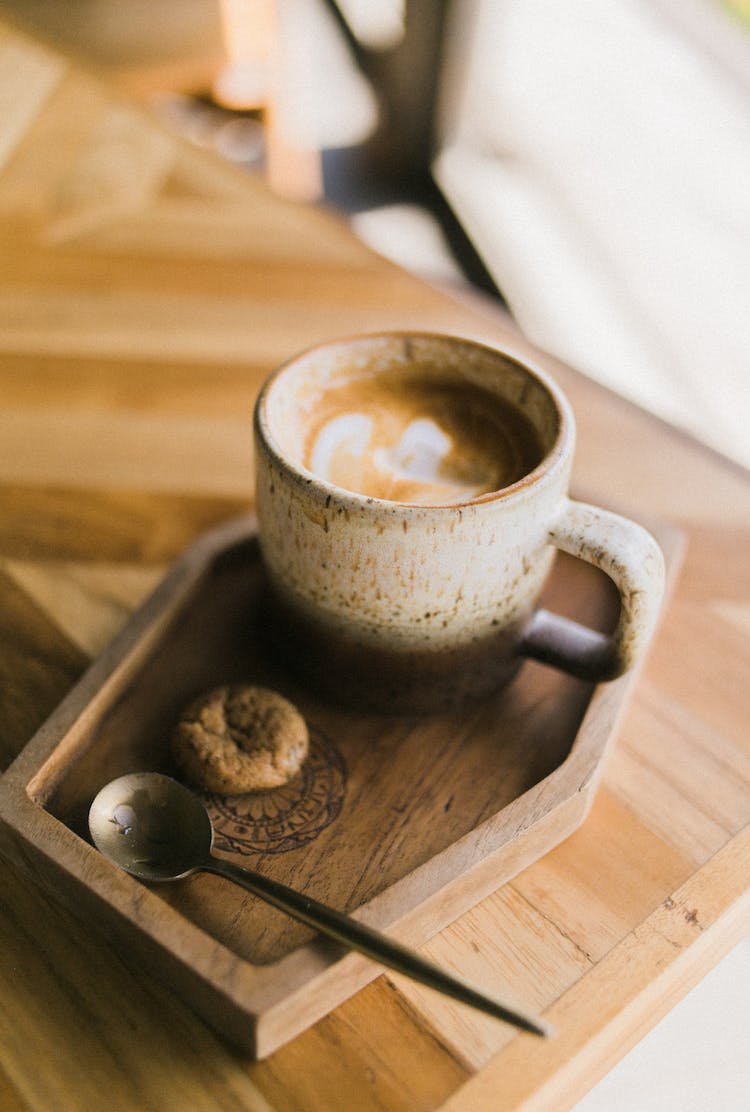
586 166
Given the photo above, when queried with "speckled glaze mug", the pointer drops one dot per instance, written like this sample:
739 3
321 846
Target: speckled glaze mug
411 492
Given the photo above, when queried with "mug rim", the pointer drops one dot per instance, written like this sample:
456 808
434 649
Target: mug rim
560 450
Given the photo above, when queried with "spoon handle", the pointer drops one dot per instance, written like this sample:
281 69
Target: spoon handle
358 936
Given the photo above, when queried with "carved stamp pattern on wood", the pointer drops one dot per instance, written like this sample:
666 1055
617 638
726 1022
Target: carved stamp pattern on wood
288 817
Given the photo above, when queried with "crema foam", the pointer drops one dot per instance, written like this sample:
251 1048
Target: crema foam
417 440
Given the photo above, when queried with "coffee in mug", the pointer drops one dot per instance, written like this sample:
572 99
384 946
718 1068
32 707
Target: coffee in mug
406 436
411 492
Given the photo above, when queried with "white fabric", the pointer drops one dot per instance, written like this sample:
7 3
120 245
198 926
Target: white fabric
601 163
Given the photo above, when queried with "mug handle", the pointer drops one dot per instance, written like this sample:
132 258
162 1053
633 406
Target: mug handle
631 558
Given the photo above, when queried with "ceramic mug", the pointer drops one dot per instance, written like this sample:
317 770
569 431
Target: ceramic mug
412 489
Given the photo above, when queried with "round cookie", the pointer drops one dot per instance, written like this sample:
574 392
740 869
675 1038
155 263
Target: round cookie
239 739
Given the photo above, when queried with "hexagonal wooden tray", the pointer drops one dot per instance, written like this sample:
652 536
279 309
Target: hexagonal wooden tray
404 823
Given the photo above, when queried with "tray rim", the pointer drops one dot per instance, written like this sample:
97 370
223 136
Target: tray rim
262 995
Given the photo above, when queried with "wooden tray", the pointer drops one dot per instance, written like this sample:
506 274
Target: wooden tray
404 823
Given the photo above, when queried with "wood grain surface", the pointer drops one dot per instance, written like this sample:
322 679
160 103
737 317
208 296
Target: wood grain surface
146 290
406 823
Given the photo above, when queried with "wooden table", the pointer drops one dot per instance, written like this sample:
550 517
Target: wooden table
146 291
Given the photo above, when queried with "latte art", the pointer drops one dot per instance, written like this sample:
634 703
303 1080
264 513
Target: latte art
417 468
421 442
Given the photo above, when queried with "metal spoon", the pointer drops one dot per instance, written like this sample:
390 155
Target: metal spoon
157 830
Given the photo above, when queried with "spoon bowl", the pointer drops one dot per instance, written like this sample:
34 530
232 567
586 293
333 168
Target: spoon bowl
151 826
158 830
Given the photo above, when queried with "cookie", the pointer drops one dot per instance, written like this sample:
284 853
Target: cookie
240 738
